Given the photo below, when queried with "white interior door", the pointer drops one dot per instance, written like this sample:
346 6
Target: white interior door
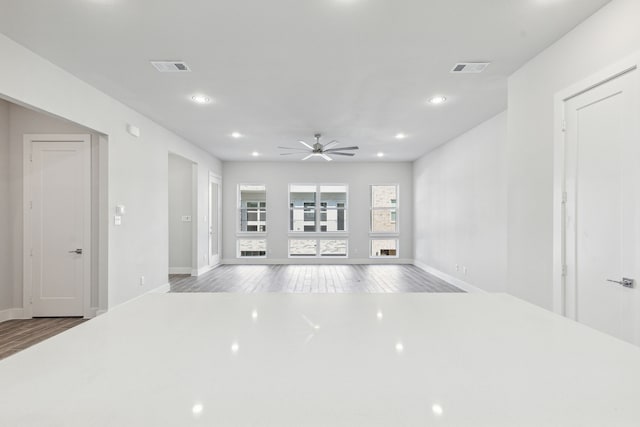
59 225
214 220
603 207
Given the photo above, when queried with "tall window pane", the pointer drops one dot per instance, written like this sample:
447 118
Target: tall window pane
333 204
302 208
384 209
253 208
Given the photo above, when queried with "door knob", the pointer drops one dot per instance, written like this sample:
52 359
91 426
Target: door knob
77 251
626 282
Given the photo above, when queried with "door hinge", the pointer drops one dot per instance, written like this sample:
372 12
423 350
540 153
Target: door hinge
31 252
30 204
564 197
564 270
564 126
31 157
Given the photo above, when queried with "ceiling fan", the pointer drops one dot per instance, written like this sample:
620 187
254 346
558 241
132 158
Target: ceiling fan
319 150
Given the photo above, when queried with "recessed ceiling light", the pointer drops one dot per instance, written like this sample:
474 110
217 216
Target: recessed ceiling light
255 154
201 99
236 135
380 154
439 99
401 136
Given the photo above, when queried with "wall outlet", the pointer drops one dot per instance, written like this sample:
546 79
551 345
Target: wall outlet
186 218
117 220
464 270
141 280
457 267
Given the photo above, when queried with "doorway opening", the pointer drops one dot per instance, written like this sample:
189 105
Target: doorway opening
182 192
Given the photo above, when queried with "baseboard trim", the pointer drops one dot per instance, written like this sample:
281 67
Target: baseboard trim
448 278
11 314
100 312
163 289
180 270
314 261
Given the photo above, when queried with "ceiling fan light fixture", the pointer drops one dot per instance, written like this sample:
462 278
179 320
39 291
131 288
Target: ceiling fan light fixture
380 154
401 135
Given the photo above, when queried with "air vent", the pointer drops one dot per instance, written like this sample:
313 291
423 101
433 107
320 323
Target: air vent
470 67
171 66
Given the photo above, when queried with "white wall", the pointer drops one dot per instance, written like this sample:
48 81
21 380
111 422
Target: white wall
460 207
180 204
6 282
277 177
137 167
607 37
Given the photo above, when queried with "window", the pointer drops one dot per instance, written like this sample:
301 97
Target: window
384 221
252 201
303 247
252 248
383 248
306 215
384 208
312 248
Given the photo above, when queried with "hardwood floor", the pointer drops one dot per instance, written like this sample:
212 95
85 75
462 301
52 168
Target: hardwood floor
17 335
312 279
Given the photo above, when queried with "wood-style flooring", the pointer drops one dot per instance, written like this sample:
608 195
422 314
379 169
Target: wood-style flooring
312 279
16 335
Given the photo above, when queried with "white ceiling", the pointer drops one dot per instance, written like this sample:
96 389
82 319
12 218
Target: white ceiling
359 71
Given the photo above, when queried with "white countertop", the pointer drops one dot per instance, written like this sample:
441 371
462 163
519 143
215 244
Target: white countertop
324 360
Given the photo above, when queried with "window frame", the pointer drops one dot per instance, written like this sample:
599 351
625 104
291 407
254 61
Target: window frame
318 248
238 213
392 238
385 235
238 252
318 211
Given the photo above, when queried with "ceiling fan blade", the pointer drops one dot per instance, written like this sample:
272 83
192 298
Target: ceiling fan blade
329 144
293 148
306 145
343 148
342 154
309 156
327 158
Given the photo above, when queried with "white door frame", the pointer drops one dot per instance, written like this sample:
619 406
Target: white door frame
215 179
559 170
27 281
